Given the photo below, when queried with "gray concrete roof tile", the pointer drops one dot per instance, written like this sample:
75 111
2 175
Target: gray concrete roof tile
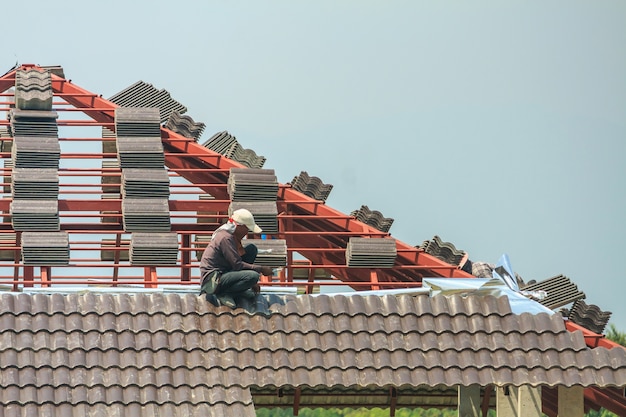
172 350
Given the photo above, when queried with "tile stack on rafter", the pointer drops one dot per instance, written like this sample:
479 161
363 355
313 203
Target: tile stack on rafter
373 218
35 183
371 252
145 95
226 144
138 138
144 186
265 213
256 190
111 174
311 186
145 183
272 252
8 247
146 215
446 251
45 248
154 248
35 154
184 125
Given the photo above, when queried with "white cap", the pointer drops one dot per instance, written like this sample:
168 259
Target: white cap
243 216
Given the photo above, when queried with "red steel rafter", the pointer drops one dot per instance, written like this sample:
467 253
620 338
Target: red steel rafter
319 232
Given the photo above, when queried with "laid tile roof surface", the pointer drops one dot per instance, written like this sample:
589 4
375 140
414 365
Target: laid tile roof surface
110 351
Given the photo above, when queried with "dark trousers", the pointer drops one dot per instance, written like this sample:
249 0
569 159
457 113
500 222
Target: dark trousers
235 282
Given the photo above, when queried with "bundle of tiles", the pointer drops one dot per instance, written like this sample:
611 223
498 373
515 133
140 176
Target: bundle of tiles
51 248
371 252
154 249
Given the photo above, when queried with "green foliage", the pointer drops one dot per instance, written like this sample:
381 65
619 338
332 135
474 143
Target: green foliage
601 413
378 412
615 335
359 412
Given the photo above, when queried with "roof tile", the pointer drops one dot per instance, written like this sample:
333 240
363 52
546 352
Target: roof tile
111 351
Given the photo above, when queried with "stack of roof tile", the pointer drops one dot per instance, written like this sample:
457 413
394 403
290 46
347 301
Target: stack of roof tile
255 189
246 157
208 213
138 138
8 247
54 69
137 122
272 252
36 152
35 156
6 142
110 179
142 94
446 251
371 252
33 90
146 215
220 142
560 291
226 144
265 213
589 316
108 145
202 241
153 248
112 249
8 169
39 123
51 248
111 216
373 218
35 183
140 152
311 186
252 184
145 183
29 214
184 125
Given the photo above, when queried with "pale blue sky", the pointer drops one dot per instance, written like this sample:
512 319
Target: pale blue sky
499 126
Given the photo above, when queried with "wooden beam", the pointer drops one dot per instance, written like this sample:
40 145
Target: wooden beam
524 401
529 401
469 401
506 403
393 401
571 401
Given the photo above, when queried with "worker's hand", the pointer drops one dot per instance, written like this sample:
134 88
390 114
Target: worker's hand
267 271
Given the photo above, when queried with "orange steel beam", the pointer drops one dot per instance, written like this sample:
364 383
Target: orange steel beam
193 157
7 81
592 339
85 101
322 213
607 398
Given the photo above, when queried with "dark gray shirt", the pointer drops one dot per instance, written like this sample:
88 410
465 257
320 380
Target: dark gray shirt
222 255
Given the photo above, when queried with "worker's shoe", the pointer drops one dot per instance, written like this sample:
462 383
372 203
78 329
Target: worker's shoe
210 283
226 300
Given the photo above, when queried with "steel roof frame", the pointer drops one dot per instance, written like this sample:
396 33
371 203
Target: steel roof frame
314 230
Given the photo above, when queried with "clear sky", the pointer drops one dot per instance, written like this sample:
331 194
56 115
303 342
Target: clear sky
498 125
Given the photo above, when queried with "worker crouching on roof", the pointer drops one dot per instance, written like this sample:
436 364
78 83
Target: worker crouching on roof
228 269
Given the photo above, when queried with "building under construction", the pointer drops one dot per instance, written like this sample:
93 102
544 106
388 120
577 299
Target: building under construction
107 207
